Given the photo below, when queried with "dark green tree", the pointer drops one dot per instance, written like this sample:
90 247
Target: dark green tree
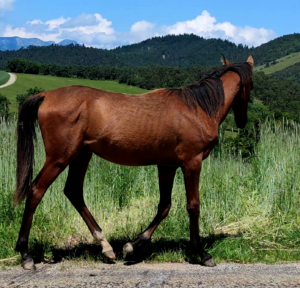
21 98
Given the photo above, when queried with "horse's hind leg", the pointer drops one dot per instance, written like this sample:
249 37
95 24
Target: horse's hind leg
52 168
166 176
74 191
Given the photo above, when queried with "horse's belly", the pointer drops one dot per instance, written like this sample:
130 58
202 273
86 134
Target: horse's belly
132 155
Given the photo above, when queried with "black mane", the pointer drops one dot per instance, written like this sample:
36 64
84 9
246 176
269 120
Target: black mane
208 93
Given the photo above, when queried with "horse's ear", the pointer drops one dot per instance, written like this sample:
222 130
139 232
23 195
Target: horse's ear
250 60
224 60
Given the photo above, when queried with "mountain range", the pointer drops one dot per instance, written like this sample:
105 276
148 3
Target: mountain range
180 50
15 43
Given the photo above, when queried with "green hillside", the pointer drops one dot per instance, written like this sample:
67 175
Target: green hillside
26 81
287 67
275 49
279 64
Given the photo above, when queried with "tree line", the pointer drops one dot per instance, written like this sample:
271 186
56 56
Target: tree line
149 77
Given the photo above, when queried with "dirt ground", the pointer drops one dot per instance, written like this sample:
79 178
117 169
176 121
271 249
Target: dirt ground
81 274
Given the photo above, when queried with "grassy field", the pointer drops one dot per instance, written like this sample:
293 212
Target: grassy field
249 210
26 81
4 76
283 62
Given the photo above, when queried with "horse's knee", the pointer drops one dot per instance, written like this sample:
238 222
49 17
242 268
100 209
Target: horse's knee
34 198
193 209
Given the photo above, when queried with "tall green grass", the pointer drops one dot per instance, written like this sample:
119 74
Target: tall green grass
249 209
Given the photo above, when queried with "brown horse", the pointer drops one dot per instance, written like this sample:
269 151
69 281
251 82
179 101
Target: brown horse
169 128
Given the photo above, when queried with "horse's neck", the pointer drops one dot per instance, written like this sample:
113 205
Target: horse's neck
231 87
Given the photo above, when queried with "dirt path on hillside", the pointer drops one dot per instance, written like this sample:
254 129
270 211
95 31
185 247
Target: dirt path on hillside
82 274
12 79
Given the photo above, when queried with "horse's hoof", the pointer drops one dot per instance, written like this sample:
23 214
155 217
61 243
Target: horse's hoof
209 263
28 264
127 250
110 254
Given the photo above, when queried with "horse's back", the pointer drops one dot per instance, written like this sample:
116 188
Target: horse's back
103 119
126 129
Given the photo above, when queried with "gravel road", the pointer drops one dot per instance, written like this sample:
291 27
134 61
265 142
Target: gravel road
72 274
12 79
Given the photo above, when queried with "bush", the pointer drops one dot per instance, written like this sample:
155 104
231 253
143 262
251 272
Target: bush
21 98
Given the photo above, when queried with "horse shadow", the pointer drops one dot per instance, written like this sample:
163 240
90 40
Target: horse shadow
88 251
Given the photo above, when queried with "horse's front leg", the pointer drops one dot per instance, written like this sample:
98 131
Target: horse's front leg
191 171
166 176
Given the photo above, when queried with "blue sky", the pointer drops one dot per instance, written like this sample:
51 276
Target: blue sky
112 23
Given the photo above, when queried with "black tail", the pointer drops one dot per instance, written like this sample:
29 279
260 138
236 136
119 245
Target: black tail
28 114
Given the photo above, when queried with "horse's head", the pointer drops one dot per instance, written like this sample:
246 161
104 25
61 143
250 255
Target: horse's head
242 98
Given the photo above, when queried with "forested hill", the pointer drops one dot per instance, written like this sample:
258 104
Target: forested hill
187 50
182 50
290 73
275 49
171 50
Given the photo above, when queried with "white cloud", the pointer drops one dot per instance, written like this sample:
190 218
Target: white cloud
94 30
56 23
142 27
34 22
6 4
207 26
140 31
202 24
